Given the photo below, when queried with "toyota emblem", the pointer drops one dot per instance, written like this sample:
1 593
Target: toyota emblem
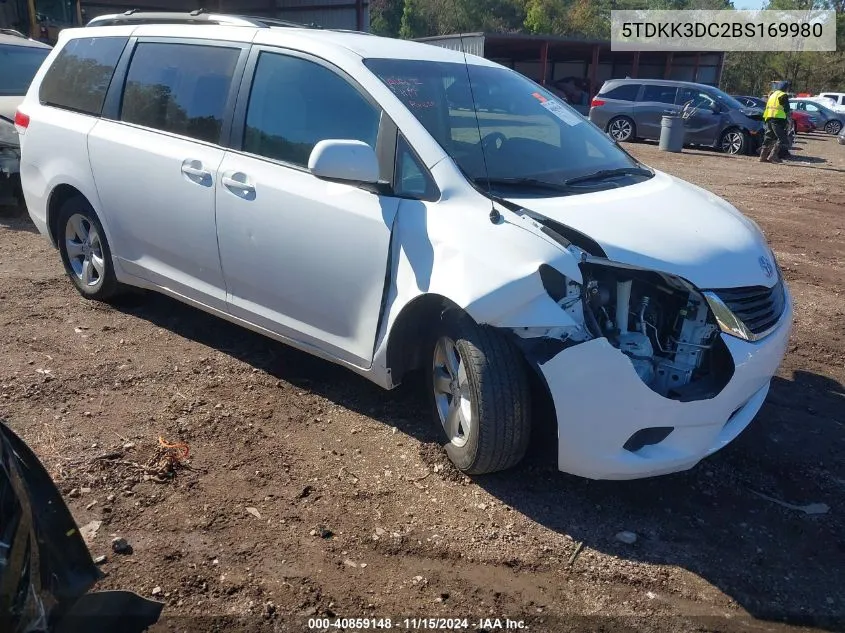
767 267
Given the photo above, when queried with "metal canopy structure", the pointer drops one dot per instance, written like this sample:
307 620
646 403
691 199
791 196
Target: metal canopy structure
548 59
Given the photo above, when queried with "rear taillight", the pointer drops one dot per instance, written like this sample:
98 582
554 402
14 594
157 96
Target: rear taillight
21 121
597 102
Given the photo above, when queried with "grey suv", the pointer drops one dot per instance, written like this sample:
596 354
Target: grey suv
629 109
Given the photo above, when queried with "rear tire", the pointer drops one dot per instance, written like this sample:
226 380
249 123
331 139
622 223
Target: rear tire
85 250
480 392
833 127
622 129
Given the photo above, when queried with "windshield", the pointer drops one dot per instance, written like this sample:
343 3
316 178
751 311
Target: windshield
505 131
18 65
726 99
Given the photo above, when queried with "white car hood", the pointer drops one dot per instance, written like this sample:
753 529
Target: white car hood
668 225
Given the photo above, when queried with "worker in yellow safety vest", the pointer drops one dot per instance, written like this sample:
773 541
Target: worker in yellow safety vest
776 118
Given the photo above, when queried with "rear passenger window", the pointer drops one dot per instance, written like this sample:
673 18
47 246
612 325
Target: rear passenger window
625 92
80 75
179 88
660 94
295 103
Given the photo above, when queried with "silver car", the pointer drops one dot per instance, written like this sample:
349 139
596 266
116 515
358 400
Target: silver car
630 109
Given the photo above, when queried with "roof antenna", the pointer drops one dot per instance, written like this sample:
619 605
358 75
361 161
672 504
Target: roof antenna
495 216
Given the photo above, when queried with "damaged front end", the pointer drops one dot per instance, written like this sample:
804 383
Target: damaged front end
654 374
661 323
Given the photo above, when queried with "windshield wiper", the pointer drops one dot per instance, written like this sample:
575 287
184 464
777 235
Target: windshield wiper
610 173
534 183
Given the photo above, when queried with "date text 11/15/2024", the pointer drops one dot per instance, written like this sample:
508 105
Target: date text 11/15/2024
415 624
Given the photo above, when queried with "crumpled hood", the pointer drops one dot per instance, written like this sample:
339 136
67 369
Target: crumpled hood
668 225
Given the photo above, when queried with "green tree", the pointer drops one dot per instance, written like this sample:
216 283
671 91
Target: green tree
412 24
386 17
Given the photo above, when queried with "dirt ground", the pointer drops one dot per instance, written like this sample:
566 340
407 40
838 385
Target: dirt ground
312 493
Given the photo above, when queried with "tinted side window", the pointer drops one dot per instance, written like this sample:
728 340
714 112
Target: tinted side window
179 88
295 103
625 92
80 75
661 94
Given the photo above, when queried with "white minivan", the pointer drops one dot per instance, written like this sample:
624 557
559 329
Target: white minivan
393 206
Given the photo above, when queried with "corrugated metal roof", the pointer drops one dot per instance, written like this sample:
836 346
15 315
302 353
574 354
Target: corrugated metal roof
471 43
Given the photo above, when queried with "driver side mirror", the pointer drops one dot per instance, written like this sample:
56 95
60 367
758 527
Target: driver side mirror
344 160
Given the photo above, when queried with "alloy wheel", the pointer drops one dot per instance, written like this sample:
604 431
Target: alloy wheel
732 142
85 251
621 129
452 392
833 127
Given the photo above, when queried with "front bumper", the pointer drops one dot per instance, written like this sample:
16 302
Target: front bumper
600 403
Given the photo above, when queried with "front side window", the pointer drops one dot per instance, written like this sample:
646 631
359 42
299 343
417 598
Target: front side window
179 88
411 179
80 75
18 65
696 99
502 130
659 94
295 103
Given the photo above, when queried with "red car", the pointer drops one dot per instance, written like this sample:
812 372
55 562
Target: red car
802 120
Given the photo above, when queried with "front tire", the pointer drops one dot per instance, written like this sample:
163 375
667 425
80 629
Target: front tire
481 397
734 142
85 250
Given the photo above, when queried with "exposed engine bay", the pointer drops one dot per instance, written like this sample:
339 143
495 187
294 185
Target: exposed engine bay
660 322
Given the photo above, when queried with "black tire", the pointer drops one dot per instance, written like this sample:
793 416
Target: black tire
622 129
833 127
105 285
497 388
734 141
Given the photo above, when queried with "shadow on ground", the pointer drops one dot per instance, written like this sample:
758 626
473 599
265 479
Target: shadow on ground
16 219
778 563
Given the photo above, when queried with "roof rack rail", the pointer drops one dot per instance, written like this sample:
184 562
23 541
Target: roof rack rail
198 16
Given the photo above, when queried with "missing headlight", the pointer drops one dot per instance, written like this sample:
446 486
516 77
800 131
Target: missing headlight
663 325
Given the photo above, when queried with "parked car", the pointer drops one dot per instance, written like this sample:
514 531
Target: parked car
629 109
824 118
802 121
751 102
830 100
20 58
46 571
842 137
838 98
482 246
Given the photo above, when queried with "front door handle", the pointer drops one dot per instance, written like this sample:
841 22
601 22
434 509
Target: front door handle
195 172
670 112
239 184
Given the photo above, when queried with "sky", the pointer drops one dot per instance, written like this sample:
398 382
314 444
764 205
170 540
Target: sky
749 4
